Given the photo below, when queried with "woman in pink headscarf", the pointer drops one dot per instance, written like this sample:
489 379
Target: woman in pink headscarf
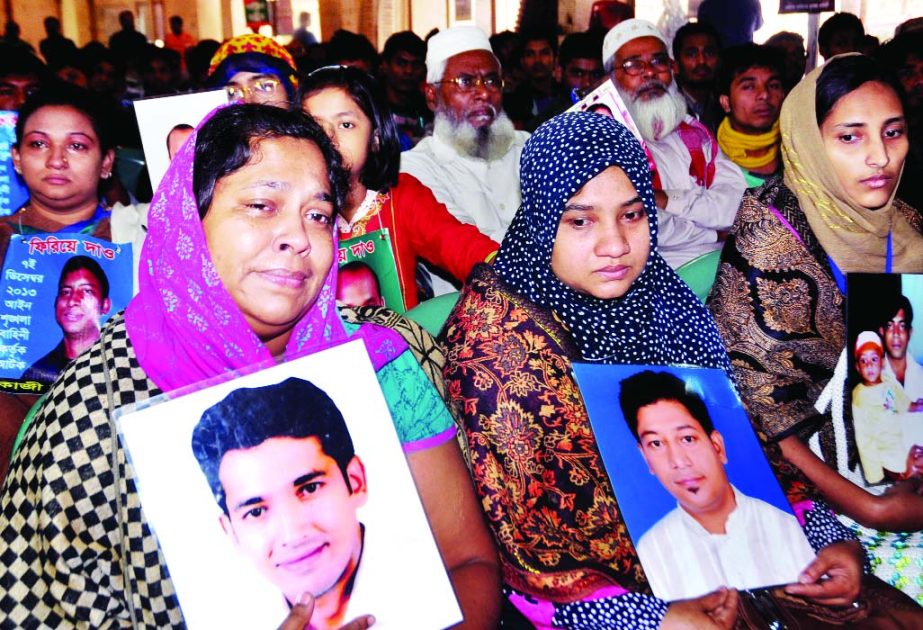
236 272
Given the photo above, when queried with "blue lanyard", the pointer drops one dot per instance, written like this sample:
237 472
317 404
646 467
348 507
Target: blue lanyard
840 277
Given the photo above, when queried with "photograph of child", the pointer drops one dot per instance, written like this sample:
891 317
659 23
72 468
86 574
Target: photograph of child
286 481
699 499
886 378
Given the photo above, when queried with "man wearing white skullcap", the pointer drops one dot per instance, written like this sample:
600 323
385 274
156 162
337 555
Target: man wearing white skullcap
471 162
697 188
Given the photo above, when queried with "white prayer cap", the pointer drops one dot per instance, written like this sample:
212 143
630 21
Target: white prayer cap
450 42
624 32
865 338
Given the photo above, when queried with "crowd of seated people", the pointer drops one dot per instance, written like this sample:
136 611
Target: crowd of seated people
562 235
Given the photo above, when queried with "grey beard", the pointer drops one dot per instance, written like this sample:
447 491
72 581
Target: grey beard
657 117
487 143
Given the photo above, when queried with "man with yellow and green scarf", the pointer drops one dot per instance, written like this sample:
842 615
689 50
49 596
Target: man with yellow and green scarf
751 91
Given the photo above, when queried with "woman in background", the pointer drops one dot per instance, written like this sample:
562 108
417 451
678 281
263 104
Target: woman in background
346 103
64 152
254 69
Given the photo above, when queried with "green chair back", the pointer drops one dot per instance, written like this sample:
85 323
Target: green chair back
699 273
432 314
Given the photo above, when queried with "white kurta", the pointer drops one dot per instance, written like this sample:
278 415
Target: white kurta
763 546
485 194
689 224
913 377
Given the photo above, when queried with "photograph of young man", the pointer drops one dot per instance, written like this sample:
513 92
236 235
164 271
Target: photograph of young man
281 464
716 535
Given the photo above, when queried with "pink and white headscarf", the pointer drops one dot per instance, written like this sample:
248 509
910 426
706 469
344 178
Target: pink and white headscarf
184 325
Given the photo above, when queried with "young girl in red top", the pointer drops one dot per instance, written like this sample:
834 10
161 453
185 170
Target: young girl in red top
346 103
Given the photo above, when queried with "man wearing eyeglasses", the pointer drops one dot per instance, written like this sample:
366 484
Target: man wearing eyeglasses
696 187
471 162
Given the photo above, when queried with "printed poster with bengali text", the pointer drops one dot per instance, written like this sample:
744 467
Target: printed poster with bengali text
58 290
606 101
368 273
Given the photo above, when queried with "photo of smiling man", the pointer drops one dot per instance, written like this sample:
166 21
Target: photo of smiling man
281 465
81 302
716 535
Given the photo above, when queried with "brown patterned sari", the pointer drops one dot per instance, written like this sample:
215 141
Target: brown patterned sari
781 314
533 456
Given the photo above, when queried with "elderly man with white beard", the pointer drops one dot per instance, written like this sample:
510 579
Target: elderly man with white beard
471 162
697 188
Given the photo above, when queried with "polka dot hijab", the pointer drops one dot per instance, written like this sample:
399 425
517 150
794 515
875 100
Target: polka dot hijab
659 320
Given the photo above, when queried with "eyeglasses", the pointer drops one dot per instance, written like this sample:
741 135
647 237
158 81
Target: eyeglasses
636 66
266 85
467 83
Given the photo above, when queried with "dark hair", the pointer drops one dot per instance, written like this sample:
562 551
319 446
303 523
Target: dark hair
199 57
836 23
19 62
76 263
648 387
404 41
169 57
580 46
892 304
739 59
842 75
249 416
500 42
229 139
694 28
540 35
383 163
348 46
894 54
98 111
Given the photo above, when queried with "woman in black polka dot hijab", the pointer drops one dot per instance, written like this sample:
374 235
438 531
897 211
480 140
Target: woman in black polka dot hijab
581 251
657 319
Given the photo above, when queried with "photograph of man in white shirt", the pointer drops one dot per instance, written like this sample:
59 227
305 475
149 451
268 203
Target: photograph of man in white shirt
716 535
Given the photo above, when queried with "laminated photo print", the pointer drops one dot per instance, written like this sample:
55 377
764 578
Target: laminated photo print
285 481
58 291
700 501
368 273
885 377
166 122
